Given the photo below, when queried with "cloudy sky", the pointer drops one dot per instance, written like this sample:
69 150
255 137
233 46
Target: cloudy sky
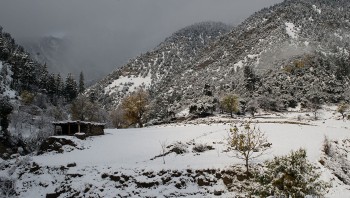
104 34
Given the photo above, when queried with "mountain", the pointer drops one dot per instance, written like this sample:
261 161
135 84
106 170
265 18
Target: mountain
294 52
50 50
148 70
30 99
19 71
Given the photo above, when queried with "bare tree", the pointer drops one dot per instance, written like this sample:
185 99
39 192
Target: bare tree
135 106
163 144
315 107
84 110
248 143
117 118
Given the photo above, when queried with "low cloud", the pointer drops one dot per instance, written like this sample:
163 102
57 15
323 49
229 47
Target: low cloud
105 34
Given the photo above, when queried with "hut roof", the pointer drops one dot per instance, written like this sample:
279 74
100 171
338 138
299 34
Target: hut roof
78 122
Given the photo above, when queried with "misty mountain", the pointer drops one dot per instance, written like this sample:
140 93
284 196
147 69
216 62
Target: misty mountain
293 52
167 59
52 51
62 56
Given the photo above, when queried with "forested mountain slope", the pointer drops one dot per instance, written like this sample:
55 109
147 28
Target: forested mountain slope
30 98
171 57
293 52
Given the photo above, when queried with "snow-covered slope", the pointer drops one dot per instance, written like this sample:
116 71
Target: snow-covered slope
296 48
126 162
5 80
160 65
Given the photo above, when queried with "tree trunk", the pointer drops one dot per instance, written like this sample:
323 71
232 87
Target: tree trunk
247 166
231 114
140 123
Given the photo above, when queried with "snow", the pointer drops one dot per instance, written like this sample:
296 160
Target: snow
183 113
292 31
143 144
10 93
316 9
135 81
338 36
252 56
7 90
239 64
306 43
128 151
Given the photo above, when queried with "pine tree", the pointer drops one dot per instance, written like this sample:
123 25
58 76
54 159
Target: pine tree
59 86
5 110
51 86
250 79
71 88
44 77
81 83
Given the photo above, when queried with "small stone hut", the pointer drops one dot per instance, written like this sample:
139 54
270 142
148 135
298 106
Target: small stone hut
73 127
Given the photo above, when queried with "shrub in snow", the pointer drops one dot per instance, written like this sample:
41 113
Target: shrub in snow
326 146
7 187
247 143
203 108
290 176
252 107
342 108
337 160
268 103
200 148
179 148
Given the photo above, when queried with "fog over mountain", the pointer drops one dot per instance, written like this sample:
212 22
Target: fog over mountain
98 36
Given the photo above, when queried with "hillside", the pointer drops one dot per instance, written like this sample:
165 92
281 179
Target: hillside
128 162
290 63
287 46
171 57
30 99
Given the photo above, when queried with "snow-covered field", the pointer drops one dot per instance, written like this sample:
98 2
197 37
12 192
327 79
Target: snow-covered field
123 162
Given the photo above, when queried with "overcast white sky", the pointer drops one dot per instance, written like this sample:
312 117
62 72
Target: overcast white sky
109 32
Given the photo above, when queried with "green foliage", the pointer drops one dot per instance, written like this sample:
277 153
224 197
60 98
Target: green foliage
290 176
27 97
135 107
230 103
